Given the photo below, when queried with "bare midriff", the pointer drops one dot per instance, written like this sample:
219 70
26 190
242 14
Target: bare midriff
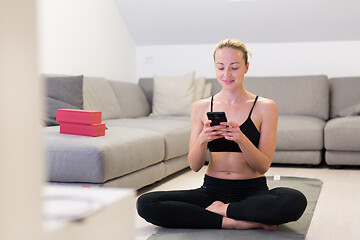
230 165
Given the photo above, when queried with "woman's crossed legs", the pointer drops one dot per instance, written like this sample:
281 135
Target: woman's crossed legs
199 209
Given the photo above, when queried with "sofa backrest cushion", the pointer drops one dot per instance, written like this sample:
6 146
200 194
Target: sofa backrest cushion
311 91
173 96
216 87
295 95
344 94
147 85
131 98
99 96
62 92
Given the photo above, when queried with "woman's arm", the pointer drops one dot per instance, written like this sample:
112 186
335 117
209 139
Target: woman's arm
259 158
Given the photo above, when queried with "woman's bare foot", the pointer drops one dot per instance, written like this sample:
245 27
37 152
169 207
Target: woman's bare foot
218 207
229 223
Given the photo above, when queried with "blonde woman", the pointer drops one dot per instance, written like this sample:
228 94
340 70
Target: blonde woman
234 194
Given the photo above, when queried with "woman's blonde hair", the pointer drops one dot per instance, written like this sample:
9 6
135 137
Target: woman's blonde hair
234 44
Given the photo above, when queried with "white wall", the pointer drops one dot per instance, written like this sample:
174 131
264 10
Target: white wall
90 37
334 59
21 155
85 37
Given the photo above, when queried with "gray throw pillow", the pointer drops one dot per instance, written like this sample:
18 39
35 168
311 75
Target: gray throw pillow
62 92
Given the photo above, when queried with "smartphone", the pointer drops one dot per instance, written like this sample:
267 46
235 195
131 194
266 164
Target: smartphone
216 117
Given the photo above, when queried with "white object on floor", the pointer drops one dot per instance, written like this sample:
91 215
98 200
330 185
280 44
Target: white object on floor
88 213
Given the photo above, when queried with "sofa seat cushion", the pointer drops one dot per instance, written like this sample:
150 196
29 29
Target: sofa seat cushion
342 134
176 132
342 158
122 150
299 133
311 157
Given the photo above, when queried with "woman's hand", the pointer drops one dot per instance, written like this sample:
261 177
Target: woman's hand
232 131
210 133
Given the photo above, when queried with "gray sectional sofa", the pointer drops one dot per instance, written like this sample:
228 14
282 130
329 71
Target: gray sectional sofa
303 106
318 120
342 131
136 150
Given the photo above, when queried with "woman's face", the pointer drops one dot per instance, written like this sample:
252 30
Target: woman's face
230 67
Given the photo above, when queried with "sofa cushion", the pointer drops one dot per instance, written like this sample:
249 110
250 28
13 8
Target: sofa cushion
147 85
199 85
353 110
301 95
62 92
207 90
342 134
176 133
140 178
99 96
122 150
344 94
173 95
131 99
299 133
176 118
342 157
313 157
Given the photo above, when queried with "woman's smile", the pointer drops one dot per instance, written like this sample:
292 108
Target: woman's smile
227 82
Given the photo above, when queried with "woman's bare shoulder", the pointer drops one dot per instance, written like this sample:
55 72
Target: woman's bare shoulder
202 104
267 105
199 108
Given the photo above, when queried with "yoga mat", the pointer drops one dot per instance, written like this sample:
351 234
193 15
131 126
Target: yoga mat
293 230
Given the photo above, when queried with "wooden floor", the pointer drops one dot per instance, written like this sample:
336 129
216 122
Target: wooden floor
337 214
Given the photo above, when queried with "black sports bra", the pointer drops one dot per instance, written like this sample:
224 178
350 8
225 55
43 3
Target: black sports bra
248 128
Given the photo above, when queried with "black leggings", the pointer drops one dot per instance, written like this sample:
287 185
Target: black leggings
250 200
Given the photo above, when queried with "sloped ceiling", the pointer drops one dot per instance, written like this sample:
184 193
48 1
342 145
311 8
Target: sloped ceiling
159 22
